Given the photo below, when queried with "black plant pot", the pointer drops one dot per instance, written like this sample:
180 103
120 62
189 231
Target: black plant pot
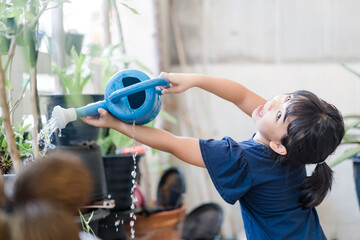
118 170
112 227
356 164
73 40
92 158
76 132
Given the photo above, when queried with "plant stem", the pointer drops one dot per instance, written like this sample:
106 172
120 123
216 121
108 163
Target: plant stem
35 112
11 53
119 27
10 137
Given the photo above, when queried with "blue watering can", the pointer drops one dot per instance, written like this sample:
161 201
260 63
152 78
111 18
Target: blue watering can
130 95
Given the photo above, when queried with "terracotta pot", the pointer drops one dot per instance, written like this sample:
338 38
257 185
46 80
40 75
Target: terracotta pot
162 225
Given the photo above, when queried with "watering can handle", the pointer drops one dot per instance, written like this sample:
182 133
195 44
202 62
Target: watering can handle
137 87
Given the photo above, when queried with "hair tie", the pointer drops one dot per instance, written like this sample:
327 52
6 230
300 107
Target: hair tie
321 162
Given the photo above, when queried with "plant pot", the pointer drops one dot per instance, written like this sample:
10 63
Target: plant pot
92 158
4 45
171 187
356 167
9 180
76 132
73 40
112 227
204 222
118 170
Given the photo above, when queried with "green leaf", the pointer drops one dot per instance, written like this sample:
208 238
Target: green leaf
168 117
19 3
352 152
29 16
3 27
351 70
8 84
13 12
130 8
352 125
85 82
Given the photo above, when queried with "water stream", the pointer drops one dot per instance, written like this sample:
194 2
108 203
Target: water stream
45 134
133 174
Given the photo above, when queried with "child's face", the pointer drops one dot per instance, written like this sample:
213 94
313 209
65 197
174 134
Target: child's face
269 119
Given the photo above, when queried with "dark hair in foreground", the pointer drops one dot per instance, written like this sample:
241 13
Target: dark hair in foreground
315 130
46 196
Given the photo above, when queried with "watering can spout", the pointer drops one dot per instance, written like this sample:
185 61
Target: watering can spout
63 116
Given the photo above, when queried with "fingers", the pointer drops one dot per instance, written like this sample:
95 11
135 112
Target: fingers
102 111
174 89
94 120
164 75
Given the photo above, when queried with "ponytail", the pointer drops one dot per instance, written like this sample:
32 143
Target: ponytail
316 187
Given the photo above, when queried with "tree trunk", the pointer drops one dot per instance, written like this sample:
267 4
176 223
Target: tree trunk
9 134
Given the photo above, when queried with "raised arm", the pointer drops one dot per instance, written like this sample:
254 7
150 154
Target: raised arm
229 90
184 148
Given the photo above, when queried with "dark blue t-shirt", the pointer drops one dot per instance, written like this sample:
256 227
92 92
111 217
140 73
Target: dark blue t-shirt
267 191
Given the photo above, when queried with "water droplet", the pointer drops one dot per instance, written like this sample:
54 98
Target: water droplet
117 223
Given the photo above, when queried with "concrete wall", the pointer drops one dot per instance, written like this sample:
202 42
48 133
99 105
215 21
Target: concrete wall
268 30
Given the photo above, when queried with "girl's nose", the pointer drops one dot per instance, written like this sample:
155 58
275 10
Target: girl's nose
273 103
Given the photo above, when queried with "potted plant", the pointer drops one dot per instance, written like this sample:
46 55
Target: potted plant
74 79
77 137
23 141
352 139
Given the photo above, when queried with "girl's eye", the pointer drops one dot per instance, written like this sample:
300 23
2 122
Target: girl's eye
287 98
278 115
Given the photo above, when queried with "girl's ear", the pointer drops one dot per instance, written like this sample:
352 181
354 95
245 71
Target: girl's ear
278 148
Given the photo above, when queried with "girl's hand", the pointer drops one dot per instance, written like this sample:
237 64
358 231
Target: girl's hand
105 119
179 82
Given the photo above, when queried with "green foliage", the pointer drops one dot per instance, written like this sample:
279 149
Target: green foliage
111 62
18 23
352 132
86 223
351 138
75 77
23 142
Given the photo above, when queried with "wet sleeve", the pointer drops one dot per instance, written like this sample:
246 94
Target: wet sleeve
227 166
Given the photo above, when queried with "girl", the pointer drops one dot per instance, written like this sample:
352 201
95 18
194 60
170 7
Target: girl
267 172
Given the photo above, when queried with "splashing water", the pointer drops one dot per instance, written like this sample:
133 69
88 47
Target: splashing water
45 134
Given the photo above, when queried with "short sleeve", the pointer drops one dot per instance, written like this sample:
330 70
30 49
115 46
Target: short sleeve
226 163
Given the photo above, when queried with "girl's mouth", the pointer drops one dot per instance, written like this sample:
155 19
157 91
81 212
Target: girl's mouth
260 110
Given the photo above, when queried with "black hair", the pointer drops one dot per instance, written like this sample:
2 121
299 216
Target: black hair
315 130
